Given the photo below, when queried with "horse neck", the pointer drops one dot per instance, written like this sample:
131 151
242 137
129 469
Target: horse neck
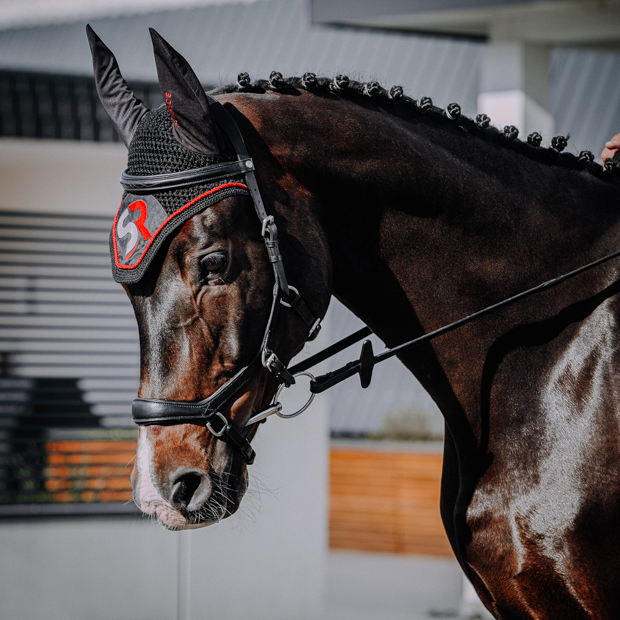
427 224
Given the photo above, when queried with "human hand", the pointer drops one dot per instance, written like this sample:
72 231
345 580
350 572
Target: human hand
611 147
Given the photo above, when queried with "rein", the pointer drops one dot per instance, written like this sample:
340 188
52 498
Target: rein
365 364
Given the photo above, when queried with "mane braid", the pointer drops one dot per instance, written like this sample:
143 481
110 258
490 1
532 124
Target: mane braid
362 92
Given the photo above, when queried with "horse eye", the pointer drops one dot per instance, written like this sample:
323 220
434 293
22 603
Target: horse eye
213 264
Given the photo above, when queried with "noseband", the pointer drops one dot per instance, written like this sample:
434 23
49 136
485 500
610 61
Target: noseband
148 411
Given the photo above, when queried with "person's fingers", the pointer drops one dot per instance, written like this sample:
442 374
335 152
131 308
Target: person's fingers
611 147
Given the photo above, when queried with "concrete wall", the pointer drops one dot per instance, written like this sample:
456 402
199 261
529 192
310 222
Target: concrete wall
267 561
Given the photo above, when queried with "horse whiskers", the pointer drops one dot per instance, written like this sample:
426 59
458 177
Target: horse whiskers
216 508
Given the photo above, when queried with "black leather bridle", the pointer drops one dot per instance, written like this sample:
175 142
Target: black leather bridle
147 411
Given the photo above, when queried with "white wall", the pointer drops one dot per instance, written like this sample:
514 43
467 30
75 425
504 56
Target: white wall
265 562
61 176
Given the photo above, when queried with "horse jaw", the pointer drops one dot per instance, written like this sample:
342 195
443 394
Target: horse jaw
149 500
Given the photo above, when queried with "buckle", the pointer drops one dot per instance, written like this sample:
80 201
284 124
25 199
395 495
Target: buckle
270 360
314 330
292 302
224 427
268 221
273 364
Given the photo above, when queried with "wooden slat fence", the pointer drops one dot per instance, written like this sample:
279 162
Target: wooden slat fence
386 502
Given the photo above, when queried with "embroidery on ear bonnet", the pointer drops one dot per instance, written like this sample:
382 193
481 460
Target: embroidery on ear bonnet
143 222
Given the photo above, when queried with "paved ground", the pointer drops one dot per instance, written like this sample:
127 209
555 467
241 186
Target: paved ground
364 586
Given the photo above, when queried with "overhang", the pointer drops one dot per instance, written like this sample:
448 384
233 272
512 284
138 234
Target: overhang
553 22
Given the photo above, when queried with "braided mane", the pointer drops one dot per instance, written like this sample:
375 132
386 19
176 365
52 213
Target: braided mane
394 97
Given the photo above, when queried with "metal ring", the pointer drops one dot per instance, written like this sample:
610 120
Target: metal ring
282 386
267 357
223 431
291 288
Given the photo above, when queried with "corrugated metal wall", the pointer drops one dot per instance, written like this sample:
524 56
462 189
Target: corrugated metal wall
221 41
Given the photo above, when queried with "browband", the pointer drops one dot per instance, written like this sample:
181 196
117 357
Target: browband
138 184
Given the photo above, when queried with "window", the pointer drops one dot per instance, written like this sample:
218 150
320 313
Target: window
69 369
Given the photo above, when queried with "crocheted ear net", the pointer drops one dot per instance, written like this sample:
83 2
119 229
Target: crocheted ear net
154 150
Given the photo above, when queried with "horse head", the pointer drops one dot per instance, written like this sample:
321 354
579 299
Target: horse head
207 283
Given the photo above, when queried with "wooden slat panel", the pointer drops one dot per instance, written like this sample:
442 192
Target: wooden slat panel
386 502
89 471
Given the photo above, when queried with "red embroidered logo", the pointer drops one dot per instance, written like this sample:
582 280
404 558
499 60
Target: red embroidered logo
169 106
131 228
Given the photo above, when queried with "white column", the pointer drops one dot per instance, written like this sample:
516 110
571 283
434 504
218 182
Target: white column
514 87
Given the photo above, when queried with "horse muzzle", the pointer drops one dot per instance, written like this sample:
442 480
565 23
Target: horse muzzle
188 496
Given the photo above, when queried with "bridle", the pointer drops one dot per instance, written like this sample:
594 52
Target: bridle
148 411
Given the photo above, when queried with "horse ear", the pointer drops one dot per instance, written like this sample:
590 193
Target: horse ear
185 99
118 101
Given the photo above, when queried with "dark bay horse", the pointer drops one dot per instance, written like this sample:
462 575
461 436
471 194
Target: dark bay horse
413 218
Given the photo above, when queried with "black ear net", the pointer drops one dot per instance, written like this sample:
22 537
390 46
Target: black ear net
185 99
117 99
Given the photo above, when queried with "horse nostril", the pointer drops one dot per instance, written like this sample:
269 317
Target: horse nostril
183 490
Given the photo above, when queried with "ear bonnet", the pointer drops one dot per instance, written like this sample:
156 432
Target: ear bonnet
147 216
177 165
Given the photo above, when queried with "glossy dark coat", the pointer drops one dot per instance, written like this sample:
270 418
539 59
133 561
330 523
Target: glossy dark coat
414 221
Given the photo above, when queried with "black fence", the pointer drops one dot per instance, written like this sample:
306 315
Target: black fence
69 366
60 107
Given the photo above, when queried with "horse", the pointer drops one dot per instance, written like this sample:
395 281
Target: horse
414 217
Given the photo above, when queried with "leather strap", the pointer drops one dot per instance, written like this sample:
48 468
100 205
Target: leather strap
137 184
224 431
146 411
269 230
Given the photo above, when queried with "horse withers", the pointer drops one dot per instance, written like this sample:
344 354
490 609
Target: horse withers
414 217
